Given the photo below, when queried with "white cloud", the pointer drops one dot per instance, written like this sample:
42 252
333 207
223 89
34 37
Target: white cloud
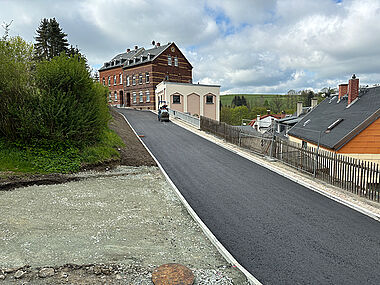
245 46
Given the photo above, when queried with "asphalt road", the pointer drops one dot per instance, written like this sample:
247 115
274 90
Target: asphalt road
281 232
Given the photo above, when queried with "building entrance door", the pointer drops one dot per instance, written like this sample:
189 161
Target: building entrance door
121 98
128 99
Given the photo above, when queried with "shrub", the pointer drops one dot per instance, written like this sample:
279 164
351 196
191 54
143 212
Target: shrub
72 107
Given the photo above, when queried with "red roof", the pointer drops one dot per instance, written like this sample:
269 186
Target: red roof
276 116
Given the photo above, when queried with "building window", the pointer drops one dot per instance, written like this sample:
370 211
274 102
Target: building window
304 144
120 78
110 97
147 96
134 97
115 96
147 77
166 78
141 97
114 80
109 81
133 79
127 80
140 78
176 99
104 81
209 99
169 60
175 61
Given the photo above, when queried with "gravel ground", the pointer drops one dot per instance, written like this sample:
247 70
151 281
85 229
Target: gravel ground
112 227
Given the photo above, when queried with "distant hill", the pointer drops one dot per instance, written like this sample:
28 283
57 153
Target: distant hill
252 99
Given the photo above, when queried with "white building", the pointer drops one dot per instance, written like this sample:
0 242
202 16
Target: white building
195 99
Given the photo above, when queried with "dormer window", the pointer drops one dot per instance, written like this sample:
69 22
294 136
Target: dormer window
169 60
148 56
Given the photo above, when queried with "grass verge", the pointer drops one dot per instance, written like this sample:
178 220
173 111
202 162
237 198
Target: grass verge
58 159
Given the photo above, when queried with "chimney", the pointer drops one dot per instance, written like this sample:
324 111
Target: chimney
158 44
353 89
343 88
299 108
258 122
136 47
314 102
128 49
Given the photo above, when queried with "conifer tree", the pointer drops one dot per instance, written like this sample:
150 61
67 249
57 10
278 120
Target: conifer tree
41 47
50 40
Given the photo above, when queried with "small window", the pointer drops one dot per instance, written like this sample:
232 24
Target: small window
175 61
114 80
109 81
115 96
134 97
120 78
109 97
176 99
147 96
209 99
304 144
127 80
141 97
133 79
104 81
166 78
169 60
140 78
147 77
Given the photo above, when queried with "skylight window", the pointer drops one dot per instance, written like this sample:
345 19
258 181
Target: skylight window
333 125
308 121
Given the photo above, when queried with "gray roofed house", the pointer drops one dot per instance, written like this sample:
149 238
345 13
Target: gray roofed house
120 59
337 120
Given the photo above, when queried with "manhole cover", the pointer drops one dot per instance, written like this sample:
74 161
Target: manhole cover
172 274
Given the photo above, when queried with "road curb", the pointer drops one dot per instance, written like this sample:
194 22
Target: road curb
295 179
222 250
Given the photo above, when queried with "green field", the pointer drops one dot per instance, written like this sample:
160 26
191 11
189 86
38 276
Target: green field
252 99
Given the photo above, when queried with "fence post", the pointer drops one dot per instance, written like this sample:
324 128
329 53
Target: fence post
316 157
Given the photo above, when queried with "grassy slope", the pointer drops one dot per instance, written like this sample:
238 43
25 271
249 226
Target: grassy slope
36 160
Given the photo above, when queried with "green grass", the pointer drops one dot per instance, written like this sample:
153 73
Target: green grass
22 159
252 99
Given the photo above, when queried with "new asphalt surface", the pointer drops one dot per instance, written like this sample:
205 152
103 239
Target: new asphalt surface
280 231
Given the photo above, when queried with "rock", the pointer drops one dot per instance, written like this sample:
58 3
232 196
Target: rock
97 270
46 272
2 277
63 275
118 277
19 274
106 271
12 269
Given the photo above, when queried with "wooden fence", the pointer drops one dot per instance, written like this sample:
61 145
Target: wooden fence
356 176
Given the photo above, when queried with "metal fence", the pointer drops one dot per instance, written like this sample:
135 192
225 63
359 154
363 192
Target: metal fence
185 117
356 176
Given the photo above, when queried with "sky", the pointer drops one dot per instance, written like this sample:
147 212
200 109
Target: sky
246 46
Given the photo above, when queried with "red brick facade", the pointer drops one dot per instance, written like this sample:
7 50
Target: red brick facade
107 78
141 73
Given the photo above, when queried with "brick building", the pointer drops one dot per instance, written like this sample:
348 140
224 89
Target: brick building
132 77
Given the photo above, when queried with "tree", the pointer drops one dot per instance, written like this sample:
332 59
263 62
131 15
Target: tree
6 30
276 103
51 40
